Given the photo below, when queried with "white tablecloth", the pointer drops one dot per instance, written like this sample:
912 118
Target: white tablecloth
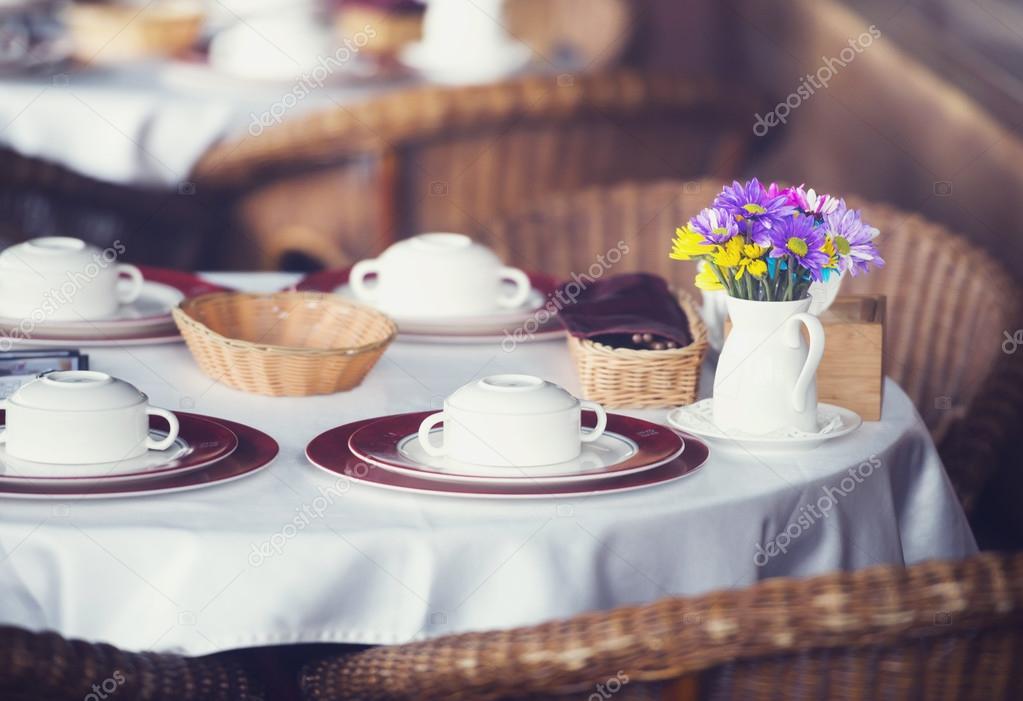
239 565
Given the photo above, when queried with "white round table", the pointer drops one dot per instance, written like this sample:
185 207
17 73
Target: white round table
292 554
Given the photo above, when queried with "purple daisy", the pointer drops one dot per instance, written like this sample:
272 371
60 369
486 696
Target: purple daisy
854 240
810 203
717 225
799 238
756 208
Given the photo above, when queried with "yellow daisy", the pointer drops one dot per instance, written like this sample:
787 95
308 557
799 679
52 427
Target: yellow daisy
728 255
707 280
689 244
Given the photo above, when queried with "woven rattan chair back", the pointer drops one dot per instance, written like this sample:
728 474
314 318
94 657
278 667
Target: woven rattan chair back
169 227
949 630
339 185
37 666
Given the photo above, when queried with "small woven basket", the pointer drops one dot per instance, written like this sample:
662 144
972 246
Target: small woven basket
642 379
284 344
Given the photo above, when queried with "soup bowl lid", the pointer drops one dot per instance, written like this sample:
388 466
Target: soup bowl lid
440 246
77 390
48 253
512 394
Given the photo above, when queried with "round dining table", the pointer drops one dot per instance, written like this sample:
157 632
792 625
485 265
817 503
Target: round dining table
293 554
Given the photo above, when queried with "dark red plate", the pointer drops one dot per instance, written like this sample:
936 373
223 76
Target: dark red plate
207 440
255 450
329 451
380 442
188 284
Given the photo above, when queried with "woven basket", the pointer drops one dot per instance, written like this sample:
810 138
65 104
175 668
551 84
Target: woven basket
119 32
642 379
284 344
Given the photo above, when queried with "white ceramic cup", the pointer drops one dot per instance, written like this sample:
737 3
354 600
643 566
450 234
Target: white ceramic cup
433 275
58 278
81 417
511 421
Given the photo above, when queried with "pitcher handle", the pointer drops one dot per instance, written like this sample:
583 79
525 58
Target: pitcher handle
813 358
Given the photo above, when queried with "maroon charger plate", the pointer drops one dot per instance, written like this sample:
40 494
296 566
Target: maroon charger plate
255 450
188 284
378 442
208 439
329 451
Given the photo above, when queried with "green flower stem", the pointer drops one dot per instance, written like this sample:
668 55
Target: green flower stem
792 279
721 278
768 293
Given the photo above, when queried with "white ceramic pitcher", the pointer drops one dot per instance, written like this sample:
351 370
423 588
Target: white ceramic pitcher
766 379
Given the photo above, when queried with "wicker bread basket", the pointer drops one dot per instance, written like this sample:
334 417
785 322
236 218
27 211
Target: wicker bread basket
117 32
628 378
284 344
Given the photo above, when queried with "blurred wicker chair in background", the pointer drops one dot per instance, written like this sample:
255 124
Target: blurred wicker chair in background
45 666
165 228
336 186
948 630
949 303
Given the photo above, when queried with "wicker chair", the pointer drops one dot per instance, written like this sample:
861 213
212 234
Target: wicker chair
338 185
167 228
45 666
949 630
949 304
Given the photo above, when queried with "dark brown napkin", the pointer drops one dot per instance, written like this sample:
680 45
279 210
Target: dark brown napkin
625 311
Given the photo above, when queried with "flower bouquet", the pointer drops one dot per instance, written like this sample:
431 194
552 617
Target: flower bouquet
765 247
771 243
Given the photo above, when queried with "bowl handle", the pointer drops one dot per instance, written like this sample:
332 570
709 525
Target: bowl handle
135 275
424 435
357 279
522 288
172 434
598 430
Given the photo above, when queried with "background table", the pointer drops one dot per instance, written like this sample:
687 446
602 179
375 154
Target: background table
149 124
266 560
